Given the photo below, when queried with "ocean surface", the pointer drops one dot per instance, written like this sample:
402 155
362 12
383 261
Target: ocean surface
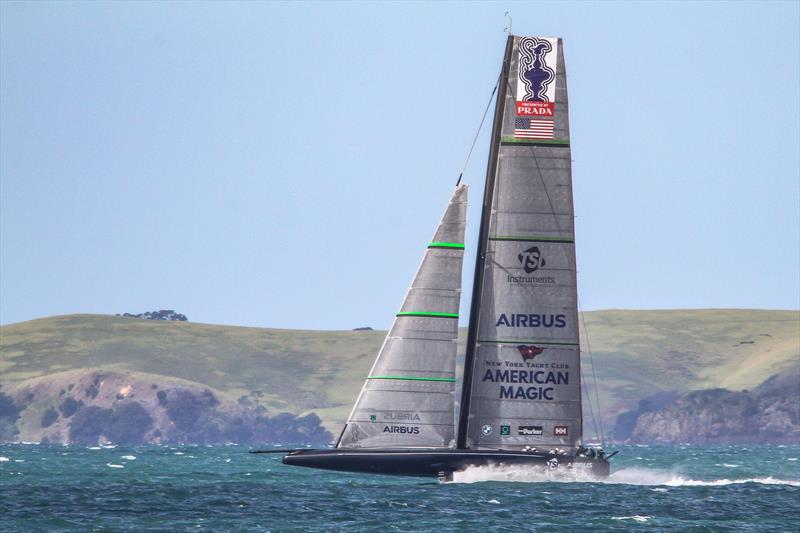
223 488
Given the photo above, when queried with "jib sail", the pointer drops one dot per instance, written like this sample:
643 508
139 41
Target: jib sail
522 375
408 397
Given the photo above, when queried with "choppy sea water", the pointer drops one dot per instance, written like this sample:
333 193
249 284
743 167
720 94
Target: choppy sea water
223 488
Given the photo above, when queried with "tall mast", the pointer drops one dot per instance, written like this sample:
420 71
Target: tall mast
480 258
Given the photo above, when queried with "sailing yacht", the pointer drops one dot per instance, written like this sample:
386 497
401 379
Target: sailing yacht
520 398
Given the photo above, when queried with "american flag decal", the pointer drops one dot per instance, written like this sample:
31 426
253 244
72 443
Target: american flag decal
533 128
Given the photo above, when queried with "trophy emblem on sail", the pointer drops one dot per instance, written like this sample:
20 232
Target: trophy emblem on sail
536 76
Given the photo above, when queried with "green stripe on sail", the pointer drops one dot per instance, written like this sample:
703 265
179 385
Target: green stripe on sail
525 341
426 314
534 142
411 378
531 238
446 245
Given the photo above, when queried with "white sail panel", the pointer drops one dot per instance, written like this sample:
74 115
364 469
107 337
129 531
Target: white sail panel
526 365
408 398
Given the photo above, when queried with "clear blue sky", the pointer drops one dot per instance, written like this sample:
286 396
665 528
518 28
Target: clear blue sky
284 164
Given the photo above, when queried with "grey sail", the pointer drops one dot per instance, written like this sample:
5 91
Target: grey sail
523 346
408 398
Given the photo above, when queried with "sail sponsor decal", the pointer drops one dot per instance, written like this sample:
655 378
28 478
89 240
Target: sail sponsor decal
536 87
530 431
529 352
528 380
531 320
505 430
530 280
560 431
486 429
405 430
526 384
531 259
396 416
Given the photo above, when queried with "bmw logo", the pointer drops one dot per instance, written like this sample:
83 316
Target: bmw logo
486 429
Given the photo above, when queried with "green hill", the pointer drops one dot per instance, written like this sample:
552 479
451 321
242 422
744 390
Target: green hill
636 353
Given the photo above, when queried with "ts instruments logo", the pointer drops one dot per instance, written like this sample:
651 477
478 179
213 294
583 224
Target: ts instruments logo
529 352
531 259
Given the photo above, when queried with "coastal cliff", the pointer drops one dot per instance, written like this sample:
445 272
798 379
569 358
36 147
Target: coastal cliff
91 407
770 413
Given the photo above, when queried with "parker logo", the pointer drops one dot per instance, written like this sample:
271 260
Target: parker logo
560 431
529 352
531 259
530 430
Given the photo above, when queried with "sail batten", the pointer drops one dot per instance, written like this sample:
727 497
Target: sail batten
407 400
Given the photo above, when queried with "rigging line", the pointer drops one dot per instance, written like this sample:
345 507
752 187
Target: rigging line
585 389
483 119
586 335
594 375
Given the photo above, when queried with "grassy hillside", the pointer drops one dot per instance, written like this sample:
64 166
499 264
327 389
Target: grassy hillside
636 353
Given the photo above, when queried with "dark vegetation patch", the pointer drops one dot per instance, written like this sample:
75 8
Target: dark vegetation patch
8 408
287 428
124 424
69 407
197 419
92 391
49 417
88 424
128 424
163 314
9 413
188 410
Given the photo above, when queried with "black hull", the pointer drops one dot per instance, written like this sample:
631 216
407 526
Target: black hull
437 463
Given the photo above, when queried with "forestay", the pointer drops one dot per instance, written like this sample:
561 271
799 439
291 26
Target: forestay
408 398
525 388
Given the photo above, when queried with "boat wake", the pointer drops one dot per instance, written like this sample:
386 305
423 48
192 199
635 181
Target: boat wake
624 476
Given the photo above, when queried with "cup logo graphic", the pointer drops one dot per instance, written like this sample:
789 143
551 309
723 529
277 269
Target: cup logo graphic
533 70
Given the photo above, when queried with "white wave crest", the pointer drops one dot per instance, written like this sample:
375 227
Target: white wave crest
624 476
636 517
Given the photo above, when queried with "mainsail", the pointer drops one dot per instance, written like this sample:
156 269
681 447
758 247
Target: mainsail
408 397
522 369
